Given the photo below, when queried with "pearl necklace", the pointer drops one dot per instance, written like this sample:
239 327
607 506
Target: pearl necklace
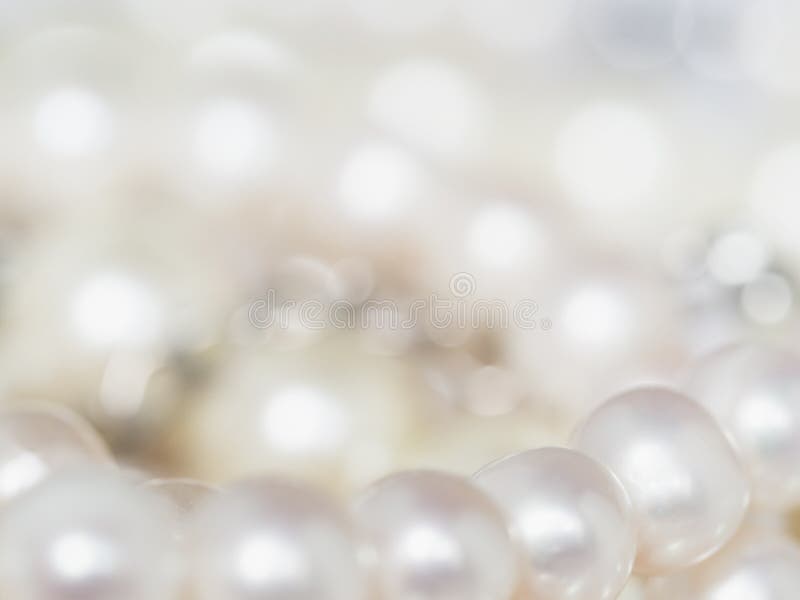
652 485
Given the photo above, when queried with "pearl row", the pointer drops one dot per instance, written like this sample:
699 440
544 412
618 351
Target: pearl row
651 485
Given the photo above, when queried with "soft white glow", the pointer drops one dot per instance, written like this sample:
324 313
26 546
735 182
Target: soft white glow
431 105
517 25
737 258
541 525
115 309
673 483
378 182
740 586
501 235
610 156
765 420
426 545
768 299
776 189
234 139
72 122
597 315
269 561
78 556
302 419
21 473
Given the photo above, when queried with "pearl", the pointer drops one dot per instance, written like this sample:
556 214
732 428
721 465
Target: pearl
296 413
436 537
758 565
37 441
754 392
609 157
73 122
430 105
687 486
86 534
271 539
572 518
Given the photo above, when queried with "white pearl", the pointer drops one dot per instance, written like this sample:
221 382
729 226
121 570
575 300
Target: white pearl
758 565
36 441
755 393
683 476
572 518
435 536
86 534
272 539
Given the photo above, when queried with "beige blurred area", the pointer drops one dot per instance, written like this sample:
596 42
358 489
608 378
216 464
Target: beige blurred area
170 172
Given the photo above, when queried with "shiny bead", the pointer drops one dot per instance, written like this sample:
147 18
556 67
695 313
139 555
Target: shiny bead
687 486
754 392
435 536
87 534
270 539
572 518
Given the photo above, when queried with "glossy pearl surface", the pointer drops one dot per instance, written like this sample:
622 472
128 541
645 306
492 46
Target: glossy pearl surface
37 441
688 489
572 518
86 534
755 393
436 537
757 565
272 539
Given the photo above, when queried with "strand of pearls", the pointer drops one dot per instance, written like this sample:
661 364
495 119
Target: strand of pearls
651 485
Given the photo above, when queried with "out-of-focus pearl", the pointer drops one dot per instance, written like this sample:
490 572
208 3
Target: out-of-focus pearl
758 565
332 413
271 539
755 393
36 441
682 474
573 519
436 537
86 534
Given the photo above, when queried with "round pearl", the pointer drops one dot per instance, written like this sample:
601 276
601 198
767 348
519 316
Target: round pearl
758 565
436 537
272 539
687 486
86 534
572 518
755 394
37 441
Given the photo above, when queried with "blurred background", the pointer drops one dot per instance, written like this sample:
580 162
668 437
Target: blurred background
627 169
